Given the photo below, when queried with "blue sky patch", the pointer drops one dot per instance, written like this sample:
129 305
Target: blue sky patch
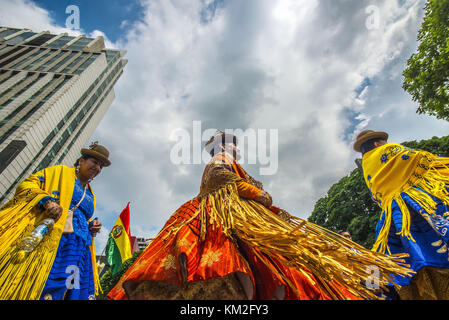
208 14
109 16
350 116
365 83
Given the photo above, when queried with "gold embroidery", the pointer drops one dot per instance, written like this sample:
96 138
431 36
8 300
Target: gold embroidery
210 258
48 297
169 262
183 243
437 243
140 263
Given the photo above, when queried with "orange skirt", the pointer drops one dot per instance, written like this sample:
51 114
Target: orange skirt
177 262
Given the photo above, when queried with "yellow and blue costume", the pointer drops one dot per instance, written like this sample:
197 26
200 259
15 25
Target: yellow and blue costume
412 189
44 270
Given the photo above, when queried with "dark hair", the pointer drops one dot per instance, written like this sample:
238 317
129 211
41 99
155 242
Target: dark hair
212 153
368 145
223 141
85 157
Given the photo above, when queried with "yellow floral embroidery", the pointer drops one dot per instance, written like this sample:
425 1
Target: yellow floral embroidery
169 262
437 243
139 263
210 258
183 243
443 249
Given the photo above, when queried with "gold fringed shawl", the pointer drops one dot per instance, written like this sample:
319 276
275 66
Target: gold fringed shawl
298 243
24 279
391 170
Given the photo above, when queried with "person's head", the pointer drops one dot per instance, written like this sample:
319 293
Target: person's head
232 149
223 142
368 140
345 234
92 161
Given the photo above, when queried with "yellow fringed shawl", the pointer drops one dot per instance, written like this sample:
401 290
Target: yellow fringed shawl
298 243
24 279
393 169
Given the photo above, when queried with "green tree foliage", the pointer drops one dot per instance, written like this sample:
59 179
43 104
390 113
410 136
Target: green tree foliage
438 146
108 281
427 72
348 204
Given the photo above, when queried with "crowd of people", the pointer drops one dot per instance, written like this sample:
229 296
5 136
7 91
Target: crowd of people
231 241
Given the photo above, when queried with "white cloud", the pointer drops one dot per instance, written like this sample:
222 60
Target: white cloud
26 14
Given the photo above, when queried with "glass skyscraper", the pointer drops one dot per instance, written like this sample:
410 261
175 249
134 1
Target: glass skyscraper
54 91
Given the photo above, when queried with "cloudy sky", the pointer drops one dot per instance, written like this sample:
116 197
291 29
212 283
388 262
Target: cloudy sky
313 72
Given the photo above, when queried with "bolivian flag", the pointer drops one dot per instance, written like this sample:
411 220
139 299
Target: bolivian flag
118 248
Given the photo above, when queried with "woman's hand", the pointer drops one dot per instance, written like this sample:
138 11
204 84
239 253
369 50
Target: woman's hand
53 210
265 199
95 227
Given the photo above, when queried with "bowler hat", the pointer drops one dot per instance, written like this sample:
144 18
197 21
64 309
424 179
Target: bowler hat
366 135
98 152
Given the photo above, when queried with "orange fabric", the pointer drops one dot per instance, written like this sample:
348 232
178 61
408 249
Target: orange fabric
274 209
247 190
216 256
268 281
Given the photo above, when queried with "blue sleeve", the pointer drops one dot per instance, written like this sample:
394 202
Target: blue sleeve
43 201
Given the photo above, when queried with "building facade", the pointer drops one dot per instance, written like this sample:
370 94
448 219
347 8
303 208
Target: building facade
54 91
142 243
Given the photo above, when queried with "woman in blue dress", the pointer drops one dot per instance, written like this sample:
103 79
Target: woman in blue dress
62 264
412 189
71 276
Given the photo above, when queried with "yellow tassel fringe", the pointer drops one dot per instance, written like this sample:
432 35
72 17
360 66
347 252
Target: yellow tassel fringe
298 244
431 176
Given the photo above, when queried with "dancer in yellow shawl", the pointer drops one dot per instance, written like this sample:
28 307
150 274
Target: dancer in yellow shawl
412 189
230 242
63 265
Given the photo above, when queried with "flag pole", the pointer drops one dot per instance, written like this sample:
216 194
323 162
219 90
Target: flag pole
103 251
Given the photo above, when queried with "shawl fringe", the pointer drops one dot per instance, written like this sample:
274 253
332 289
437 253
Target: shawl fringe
297 243
426 181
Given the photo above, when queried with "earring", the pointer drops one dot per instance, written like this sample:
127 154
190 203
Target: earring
77 170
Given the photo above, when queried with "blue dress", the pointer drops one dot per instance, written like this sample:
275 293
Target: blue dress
428 229
71 276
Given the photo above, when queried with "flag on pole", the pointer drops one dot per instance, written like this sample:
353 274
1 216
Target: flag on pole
118 248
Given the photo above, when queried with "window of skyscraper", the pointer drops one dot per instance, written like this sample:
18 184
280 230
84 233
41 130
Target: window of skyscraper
83 67
63 61
39 60
80 44
10 153
24 62
15 56
10 52
8 32
59 43
40 40
20 38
